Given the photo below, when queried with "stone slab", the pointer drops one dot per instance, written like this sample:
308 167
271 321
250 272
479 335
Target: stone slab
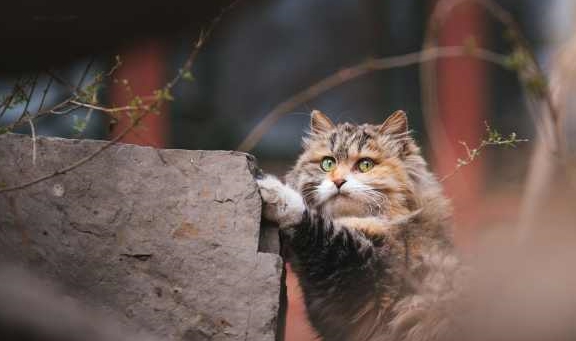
166 240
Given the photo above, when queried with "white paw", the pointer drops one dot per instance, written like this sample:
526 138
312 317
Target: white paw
282 204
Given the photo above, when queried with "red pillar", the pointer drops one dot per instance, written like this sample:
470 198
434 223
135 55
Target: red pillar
462 111
144 67
297 327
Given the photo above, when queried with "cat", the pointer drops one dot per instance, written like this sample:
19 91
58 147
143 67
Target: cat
368 232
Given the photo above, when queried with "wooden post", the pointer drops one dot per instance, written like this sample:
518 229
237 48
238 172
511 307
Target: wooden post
144 67
462 102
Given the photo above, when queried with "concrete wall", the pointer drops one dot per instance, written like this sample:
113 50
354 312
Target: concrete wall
163 241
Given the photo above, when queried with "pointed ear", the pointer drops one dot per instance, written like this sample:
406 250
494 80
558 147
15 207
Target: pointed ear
397 123
320 123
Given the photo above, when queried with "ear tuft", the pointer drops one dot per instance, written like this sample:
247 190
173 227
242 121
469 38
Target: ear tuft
320 123
397 123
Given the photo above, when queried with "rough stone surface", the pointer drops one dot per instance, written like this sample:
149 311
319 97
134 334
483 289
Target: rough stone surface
164 240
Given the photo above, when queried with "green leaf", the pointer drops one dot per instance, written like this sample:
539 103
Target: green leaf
537 85
187 76
517 60
89 93
79 125
163 95
136 102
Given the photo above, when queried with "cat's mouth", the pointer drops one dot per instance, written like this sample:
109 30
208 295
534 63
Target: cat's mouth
338 195
343 204
342 197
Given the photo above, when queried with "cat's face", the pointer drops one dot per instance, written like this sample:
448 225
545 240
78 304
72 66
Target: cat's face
350 170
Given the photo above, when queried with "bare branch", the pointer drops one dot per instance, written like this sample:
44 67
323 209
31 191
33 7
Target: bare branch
492 138
33 132
84 74
62 112
62 82
185 70
353 72
45 93
78 163
64 107
88 114
8 100
144 110
28 99
108 110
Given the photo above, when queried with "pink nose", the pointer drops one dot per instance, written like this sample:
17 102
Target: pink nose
339 182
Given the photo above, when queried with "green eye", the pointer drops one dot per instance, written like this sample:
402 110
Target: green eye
365 165
328 163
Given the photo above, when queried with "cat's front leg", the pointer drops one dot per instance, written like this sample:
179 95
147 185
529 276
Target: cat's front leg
281 203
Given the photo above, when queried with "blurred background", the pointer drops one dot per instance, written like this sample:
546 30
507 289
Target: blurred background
263 52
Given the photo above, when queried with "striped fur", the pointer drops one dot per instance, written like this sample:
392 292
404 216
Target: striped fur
370 255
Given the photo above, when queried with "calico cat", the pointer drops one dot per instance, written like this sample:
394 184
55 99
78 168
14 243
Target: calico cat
368 231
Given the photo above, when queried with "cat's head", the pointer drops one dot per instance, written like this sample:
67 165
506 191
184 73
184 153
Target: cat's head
358 170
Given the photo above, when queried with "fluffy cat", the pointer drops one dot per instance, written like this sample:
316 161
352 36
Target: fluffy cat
368 231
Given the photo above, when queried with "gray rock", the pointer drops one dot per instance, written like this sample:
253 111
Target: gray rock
163 240
33 309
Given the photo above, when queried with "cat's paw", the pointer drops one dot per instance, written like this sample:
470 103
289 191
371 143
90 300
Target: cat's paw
281 203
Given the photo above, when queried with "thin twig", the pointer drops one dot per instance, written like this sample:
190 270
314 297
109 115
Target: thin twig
28 99
33 132
65 107
347 74
89 113
84 74
107 110
62 81
493 139
78 163
135 121
203 36
6 104
114 67
45 93
506 18
63 112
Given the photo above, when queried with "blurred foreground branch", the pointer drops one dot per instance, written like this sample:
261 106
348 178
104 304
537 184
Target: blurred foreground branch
550 147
